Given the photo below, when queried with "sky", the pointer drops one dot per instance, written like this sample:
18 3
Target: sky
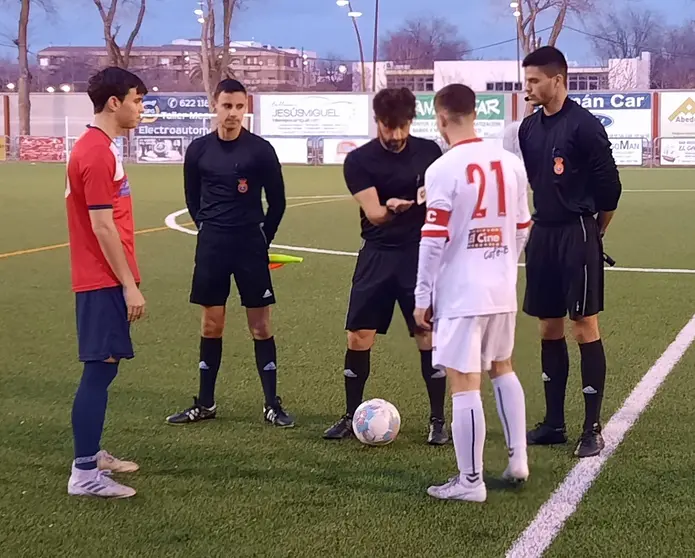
315 25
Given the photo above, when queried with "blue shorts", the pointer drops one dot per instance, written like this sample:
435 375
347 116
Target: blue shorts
103 330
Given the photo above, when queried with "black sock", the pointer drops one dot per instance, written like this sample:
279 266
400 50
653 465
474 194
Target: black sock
593 380
555 362
356 373
435 380
210 360
266 362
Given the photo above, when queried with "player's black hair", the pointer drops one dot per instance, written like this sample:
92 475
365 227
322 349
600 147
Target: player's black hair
456 99
112 82
394 107
549 60
229 85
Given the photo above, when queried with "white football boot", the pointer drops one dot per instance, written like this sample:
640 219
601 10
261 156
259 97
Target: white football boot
456 489
97 483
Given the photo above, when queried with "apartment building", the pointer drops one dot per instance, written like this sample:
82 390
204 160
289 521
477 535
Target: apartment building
259 66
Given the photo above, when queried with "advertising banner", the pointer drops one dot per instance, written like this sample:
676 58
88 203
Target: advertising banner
159 150
297 151
41 148
314 115
489 122
678 151
677 121
174 116
336 149
627 117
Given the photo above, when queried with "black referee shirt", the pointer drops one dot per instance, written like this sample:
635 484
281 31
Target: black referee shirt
394 175
569 163
223 182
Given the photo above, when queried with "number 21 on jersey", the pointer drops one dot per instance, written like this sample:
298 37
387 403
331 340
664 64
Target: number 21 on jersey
475 174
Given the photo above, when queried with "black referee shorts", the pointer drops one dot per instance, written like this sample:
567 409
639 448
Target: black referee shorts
383 277
564 270
221 254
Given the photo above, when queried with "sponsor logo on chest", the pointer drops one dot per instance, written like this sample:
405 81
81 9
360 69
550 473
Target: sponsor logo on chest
486 237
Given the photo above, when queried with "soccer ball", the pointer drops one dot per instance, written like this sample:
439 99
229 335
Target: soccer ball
376 422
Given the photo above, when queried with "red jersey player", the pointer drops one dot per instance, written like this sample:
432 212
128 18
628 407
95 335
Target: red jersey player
476 227
105 276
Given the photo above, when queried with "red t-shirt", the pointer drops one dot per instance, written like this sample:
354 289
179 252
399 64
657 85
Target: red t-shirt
96 180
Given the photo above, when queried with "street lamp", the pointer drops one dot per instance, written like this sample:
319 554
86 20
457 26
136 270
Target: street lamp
517 14
65 88
352 14
11 86
51 89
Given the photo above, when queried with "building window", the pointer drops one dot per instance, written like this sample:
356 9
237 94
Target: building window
415 83
503 86
587 82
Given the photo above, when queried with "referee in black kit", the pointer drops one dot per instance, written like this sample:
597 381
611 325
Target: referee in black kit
385 176
224 173
576 188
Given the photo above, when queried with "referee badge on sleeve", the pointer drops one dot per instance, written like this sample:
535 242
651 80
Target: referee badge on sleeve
243 186
421 195
559 166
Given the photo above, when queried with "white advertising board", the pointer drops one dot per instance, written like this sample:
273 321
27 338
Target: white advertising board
628 151
336 149
291 150
314 115
677 128
627 118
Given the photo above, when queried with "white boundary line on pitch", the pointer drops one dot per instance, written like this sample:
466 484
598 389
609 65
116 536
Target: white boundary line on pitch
548 523
170 222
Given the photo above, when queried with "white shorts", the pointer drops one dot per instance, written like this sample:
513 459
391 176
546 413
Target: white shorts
472 344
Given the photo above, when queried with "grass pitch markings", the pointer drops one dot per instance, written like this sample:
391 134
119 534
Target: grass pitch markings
316 200
174 225
551 517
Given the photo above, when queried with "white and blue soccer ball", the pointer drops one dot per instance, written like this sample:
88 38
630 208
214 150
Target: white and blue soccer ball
376 422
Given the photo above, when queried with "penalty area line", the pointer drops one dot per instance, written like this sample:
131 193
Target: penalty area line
551 517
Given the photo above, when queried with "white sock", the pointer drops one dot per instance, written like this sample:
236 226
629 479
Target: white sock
511 407
468 433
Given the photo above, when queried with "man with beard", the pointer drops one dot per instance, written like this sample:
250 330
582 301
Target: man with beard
386 177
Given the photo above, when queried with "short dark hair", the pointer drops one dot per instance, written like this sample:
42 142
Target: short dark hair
112 82
394 107
229 85
550 60
456 99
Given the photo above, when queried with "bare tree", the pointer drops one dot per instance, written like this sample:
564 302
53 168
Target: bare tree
625 33
533 10
418 43
108 11
25 77
673 64
216 60
333 71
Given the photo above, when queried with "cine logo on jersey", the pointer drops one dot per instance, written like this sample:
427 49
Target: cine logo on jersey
486 237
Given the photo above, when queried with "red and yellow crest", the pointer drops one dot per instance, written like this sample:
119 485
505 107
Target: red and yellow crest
559 166
243 186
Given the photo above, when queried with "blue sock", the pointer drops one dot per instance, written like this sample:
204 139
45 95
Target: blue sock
89 411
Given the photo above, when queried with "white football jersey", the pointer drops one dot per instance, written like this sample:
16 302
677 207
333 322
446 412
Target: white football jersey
476 196
510 139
